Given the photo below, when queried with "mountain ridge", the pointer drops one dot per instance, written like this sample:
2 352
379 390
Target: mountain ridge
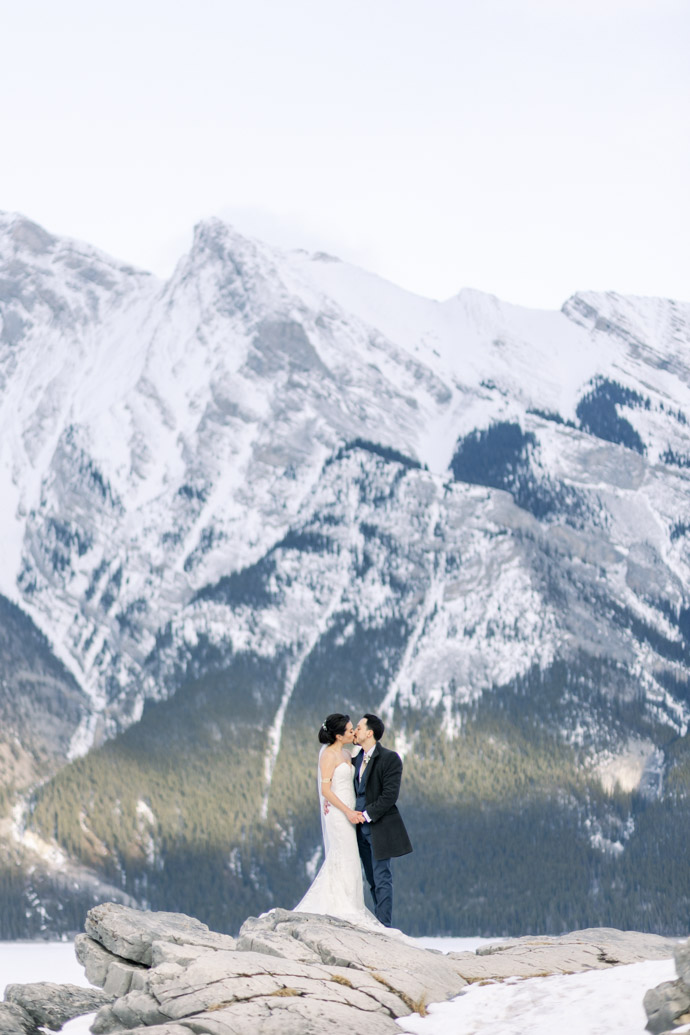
274 481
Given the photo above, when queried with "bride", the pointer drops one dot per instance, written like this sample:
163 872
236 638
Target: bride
337 889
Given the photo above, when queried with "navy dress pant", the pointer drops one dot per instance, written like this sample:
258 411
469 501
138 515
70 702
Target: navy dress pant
379 876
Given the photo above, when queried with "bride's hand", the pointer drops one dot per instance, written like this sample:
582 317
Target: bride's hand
354 817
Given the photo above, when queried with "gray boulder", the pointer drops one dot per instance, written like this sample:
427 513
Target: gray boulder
667 1006
410 972
16 1021
112 973
219 989
681 954
50 1005
130 1011
306 974
592 949
130 933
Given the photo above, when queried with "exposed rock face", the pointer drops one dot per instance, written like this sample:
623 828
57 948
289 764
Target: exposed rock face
96 960
415 973
50 1005
291 974
16 1021
114 974
668 1005
130 933
681 954
591 949
287 971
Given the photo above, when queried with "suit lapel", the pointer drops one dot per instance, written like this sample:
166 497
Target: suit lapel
358 766
370 763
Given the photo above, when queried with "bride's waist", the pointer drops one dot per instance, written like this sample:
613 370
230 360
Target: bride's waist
347 799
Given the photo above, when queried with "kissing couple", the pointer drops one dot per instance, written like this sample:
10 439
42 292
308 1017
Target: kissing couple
360 822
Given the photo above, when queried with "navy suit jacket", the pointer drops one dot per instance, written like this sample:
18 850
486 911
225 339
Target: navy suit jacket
381 789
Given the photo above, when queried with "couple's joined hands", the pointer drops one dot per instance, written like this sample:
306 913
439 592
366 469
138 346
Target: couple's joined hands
354 817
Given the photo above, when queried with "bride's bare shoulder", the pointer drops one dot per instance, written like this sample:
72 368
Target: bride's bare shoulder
327 763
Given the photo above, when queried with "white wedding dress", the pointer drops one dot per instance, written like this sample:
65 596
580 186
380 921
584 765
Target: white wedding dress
337 889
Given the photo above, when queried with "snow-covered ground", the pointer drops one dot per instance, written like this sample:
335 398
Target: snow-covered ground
599 1002
39 961
604 1002
21 962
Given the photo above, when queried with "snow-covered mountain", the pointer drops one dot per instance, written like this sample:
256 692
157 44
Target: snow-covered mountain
278 459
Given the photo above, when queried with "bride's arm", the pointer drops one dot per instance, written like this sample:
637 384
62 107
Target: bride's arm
327 767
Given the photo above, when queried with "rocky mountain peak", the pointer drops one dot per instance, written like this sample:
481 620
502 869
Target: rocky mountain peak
25 235
272 482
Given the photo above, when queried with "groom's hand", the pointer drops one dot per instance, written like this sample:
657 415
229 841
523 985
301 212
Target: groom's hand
326 806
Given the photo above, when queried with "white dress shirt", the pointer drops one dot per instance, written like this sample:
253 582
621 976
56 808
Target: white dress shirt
367 757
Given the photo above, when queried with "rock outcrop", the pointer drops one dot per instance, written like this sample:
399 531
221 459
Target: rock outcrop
668 1005
15 1021
287 973
50 1005
596 948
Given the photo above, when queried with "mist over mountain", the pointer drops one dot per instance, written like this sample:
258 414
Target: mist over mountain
276 486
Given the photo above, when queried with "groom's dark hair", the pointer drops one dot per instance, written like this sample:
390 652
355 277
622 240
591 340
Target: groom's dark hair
375 725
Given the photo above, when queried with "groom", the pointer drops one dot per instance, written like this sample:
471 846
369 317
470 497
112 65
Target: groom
382 835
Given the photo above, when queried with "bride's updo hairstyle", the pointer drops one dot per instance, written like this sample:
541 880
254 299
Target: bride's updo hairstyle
335 724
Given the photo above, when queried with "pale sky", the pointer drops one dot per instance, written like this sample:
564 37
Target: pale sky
529 148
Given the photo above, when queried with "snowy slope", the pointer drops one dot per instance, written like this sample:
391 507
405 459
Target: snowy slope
155 437
259 458
597 1003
